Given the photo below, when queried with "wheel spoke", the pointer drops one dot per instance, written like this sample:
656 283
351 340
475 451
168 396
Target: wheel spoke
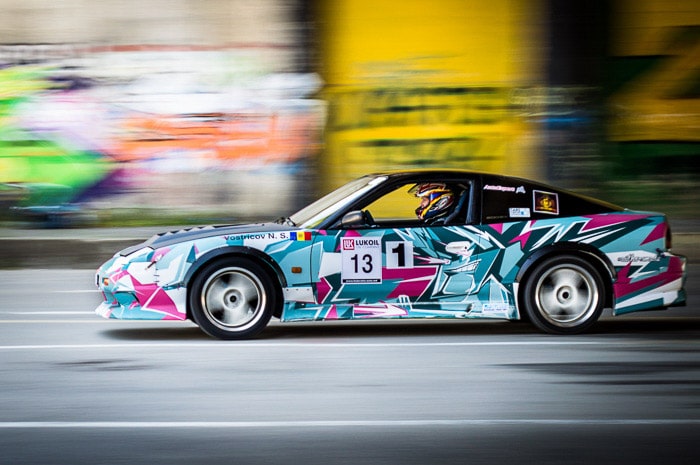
232 298
215 296
248 291
566 295
234 316
566 277
548 299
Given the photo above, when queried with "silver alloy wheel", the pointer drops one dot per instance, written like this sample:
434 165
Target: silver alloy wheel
233 298
566 295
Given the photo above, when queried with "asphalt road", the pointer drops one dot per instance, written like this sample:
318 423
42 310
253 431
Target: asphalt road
76 389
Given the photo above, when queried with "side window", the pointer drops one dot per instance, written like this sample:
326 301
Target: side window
399 207
497 205
506 200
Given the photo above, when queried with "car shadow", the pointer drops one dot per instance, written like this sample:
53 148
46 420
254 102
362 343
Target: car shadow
170 333
334 330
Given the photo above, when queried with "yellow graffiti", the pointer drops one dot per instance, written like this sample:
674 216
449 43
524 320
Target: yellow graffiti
428 84
662 104
468 128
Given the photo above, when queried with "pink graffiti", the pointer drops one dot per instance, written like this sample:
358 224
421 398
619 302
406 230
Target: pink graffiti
625 285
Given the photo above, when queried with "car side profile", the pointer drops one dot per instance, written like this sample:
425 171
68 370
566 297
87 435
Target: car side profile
499 247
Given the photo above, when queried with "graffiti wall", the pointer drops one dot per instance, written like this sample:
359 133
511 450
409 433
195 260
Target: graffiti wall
654 102
446 84
178 128
656 48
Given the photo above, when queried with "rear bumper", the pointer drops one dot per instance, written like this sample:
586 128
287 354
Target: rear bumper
659 291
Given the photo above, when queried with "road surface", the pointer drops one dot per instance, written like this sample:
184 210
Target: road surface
77 389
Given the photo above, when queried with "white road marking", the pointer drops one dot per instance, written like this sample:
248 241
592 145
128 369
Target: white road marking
267 345
63 322
76 291
49 313
338 424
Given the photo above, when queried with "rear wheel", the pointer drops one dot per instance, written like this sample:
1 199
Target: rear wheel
232 299
564 295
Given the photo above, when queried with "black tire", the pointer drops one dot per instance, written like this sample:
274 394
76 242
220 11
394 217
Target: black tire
563 295
232 298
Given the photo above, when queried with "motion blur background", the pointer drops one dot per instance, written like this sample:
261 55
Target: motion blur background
133 112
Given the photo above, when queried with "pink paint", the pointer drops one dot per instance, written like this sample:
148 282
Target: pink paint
600 221
150 296
524 236
323 287
159 254
413 282
118 275
658 232
332 313
625 286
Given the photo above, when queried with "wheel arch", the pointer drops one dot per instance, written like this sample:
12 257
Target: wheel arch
265 261
584 251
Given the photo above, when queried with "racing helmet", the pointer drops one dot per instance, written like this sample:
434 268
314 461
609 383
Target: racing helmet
439 200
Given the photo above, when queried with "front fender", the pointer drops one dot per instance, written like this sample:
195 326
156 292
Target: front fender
232 251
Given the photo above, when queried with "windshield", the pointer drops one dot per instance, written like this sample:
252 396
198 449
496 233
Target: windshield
312 215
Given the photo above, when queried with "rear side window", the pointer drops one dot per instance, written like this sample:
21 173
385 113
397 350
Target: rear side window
506 199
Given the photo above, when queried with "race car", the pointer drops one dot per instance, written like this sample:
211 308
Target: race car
410 244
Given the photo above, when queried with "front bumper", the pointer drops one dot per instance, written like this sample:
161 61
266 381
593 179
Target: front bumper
131 292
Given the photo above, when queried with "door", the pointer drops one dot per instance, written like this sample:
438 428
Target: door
396 265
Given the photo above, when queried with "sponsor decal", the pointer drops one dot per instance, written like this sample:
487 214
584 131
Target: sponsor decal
634 258
361 260
546 202
516 190
519 212
495 307
300 236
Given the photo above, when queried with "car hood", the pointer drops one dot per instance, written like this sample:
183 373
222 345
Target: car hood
190 234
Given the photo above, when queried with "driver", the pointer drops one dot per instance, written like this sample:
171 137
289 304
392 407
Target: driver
436 200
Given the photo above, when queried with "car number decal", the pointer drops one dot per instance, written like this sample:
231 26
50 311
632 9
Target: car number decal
399 254
361 260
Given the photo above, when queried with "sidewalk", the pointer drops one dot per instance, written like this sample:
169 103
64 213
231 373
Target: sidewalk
89 248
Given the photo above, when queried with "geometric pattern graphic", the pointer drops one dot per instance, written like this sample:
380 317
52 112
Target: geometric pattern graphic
412 272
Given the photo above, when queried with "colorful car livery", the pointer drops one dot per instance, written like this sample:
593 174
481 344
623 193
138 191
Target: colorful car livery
501 247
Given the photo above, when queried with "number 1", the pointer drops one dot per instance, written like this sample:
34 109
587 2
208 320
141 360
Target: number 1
400 250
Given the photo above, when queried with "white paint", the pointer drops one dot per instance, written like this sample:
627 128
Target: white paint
336 423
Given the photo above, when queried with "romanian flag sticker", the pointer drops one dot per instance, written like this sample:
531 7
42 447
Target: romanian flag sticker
300 236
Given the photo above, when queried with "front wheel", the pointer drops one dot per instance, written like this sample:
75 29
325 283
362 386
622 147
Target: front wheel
564 295
232 299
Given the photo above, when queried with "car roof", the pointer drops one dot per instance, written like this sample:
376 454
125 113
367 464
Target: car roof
452 173
487 178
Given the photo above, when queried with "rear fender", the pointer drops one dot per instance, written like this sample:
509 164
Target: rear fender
585 251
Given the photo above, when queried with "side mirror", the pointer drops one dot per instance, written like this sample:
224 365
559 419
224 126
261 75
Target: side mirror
353 220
